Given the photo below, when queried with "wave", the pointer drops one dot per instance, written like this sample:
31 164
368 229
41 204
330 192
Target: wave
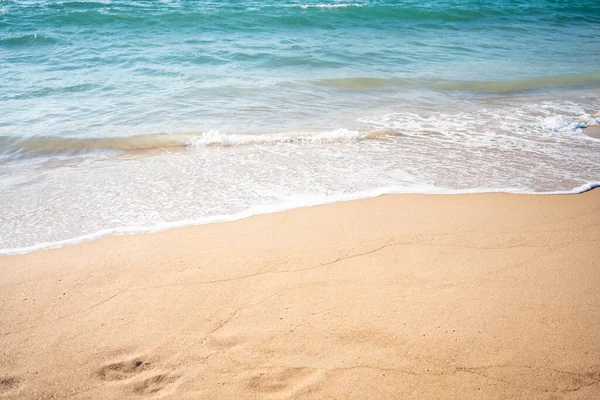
47 145
237 15
337 5
591 79
299 202
241 19
216 138
27 40
376 128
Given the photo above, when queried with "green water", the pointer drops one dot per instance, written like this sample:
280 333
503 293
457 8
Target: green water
131 116
131 67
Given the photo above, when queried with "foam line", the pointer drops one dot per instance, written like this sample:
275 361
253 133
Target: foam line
304 201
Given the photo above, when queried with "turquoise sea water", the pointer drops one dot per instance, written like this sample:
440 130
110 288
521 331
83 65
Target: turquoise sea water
128 116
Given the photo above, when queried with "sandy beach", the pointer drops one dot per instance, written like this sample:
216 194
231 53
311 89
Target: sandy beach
405 296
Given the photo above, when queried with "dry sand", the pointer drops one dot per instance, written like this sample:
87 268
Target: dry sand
412 296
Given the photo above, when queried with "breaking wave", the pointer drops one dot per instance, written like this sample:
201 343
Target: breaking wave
47 145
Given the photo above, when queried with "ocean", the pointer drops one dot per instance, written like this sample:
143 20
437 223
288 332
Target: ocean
120 117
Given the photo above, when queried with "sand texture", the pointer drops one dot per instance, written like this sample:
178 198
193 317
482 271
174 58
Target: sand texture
410 296
593 131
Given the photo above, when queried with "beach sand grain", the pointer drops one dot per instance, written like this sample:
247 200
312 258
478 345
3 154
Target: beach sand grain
401 296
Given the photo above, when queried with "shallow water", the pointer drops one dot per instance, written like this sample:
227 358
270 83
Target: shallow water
129 116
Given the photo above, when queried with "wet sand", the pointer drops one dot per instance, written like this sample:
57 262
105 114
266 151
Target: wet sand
593 131
408 296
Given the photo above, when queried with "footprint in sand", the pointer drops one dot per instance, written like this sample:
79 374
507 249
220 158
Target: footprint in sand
154 384
138 374
285 381
8 383
123 369
539 378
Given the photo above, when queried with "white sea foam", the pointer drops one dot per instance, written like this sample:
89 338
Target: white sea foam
562 123
528 147
337 5
457 125
216 138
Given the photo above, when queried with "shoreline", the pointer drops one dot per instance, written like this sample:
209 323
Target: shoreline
277 208
412 296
